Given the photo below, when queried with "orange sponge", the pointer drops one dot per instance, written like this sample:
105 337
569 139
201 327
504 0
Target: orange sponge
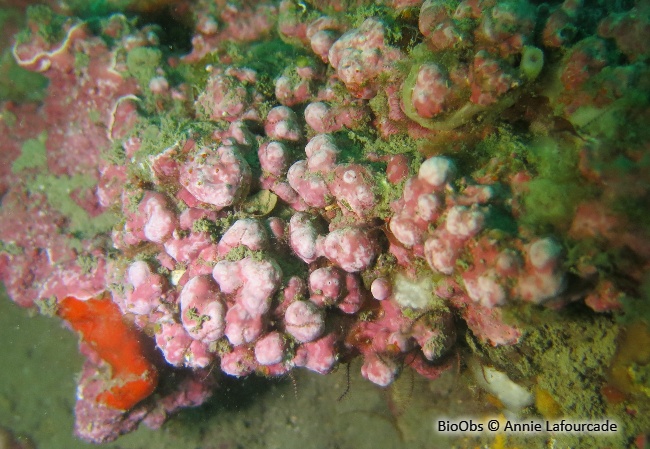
100 323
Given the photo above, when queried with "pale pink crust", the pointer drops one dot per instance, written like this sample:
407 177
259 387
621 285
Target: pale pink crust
238 134
355 295
381 289
304 321
379 370
290 26
261 279
269 349
165 166
322 41
545 277
322 153
295 289
110 184
421 203
322 33
204 262
297 84
430 91
285 192
198 355
490 79
325 286
241 326
185 249
397 169
277 228
405 229
324 118
145 292
190 215
508 26
441 253
219 177
439 27
311 187
360 56
274 158
318 355
282 124
238 362
486 323
291 92
202 309
463 222
303 236
153 220
252 282
352 249
229 96
65 279
486 289
161 221
213 194
228 276
247 232
353 187
174 342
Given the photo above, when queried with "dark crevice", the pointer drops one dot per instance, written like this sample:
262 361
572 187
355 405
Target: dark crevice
175 36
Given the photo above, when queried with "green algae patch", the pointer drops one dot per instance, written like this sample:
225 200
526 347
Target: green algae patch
33 155
630 369
85 8
10 248
555 192
550 203
558 354
213 229
159 134
568 355
259 204
18 84
498 156
637 307
50 26
268 58
142 63
573 368
58 190
87 263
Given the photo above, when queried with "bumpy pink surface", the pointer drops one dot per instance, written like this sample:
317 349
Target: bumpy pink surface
268 232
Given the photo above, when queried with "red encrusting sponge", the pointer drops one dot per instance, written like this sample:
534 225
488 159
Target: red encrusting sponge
100 323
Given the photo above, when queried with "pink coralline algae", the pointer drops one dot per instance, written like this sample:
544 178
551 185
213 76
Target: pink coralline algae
360 56
219 178
309 184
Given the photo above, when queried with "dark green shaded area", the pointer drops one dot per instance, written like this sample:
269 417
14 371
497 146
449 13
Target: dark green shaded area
557 187
50 26
18 84
31 403
254 412
268 58
142 63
